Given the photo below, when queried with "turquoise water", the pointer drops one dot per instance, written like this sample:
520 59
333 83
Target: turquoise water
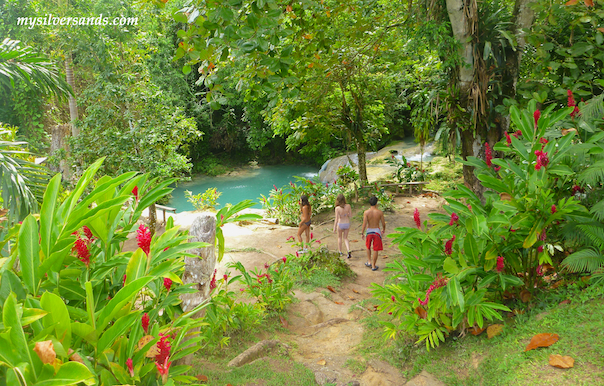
249 185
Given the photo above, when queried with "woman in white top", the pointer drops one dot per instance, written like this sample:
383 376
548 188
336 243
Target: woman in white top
342 223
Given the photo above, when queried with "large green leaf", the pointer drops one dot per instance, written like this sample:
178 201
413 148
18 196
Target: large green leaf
137 266
70 373
47 214
58 317
455 293
11 319
118 329
471 249
29 254
125 295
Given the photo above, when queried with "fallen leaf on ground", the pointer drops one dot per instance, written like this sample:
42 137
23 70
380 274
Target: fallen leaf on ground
355 291
278 246
202 378
475 330
321 362
542 340
283 321
340 303
354 241
571 2
494 329
331 289
376 306
384 257
525 296
589 3
561 362
421 312
350 297
567 301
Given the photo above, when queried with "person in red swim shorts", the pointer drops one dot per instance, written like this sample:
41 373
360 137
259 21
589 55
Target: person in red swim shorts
371 222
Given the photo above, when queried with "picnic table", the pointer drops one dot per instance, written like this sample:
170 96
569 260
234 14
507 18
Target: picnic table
165 209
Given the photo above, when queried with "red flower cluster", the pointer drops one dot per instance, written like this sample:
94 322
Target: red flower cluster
145 323
130 366
135 193
543 141
572 103
284 259
500 264
508 139
83 252
454 218
416 218
438 282
540 248
576 189
213 281
449 245
554 209
161 359
488 154
536 116
542 159
88 233
539 270
267 276
143 236
517 134
167 283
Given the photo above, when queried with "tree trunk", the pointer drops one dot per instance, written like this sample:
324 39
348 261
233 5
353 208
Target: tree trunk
73 107
152 218
361 152
199 270
59 135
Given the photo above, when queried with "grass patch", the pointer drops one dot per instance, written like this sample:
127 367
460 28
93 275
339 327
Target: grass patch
443 175
355 365
269 371
319 269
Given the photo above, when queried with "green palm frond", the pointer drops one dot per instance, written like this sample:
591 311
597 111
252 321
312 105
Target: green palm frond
593 109
23 64
598 210
593 174
595 234
585 260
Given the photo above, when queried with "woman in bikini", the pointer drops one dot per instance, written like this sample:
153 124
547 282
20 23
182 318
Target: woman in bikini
342 223
305 212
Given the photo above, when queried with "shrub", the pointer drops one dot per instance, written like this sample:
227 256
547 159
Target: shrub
205 200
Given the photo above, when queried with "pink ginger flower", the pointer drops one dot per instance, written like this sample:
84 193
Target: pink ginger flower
488 154
554 209
416 218
130 366
143 236
454 218
167 283
500 264
145 323
536 116
449 245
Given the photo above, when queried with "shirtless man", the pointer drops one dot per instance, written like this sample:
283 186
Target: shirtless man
371 222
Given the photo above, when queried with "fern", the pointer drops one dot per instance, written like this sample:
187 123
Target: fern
595 234
598 210
593 174
584 260
593 109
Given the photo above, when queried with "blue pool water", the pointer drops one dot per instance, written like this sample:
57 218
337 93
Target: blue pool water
249 185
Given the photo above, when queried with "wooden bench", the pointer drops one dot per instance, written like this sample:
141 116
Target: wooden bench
165 209
400 185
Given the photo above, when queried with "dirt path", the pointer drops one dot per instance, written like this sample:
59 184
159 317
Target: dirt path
324 331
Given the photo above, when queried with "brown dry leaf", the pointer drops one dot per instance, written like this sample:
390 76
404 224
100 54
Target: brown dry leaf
505 196
542 340
571 2
561 362
384 257
278 246
350 297
525 296
321 362
475 330
331 289
354 241
153 351
494 329
46 351
375 307
589 3
283 321
601 29
571 130
340 303
201 378
75 357
421 312
355 291
567 301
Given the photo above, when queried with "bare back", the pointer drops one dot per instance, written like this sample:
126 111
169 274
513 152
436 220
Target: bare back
372 218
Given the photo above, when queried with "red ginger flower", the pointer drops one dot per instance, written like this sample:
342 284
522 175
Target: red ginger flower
571 100
167 283
417 219
540 248
536 116
438 282
135 193
130 366
225 277
145 323
508 139
88 233
500 264
284 259
488 154
83 252
497 168
213 281
454 218
543 141
449 245
542 159
143 236
554 209
124 281
517 134
311 236
161 359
